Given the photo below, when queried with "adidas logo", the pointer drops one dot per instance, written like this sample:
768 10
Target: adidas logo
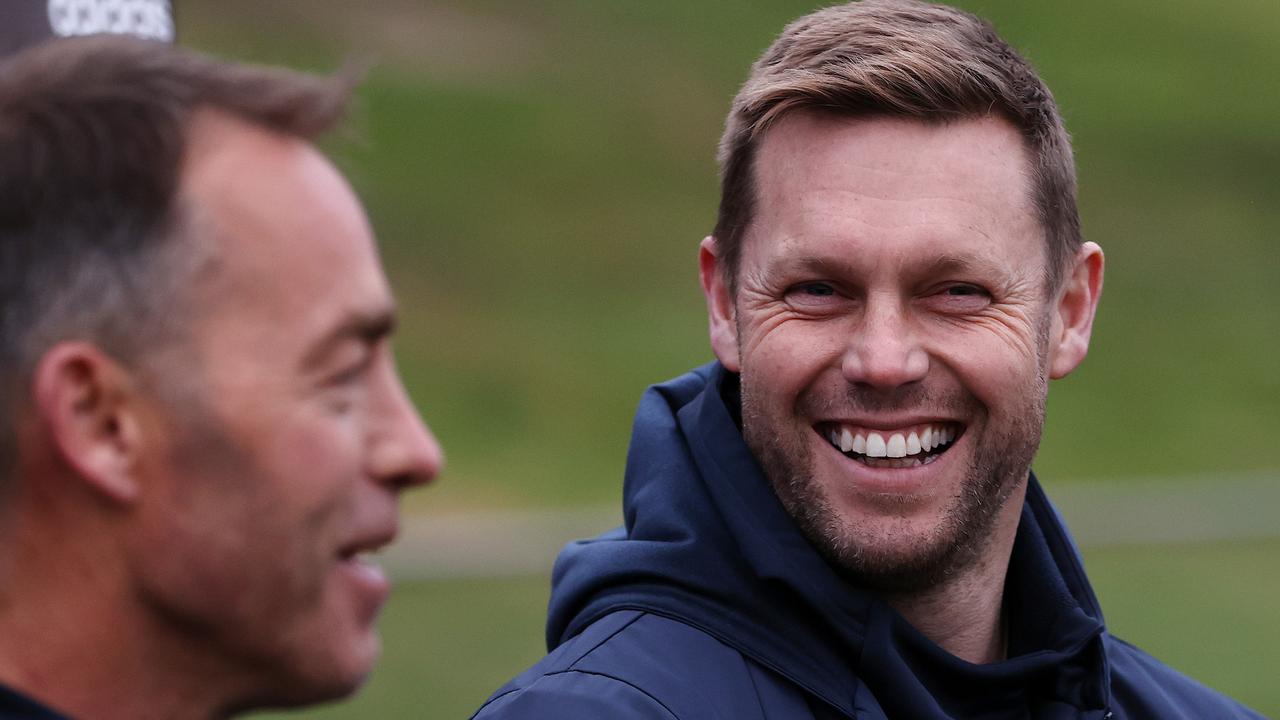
151 19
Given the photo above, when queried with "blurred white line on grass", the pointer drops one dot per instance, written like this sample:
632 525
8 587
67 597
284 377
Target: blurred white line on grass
1129 512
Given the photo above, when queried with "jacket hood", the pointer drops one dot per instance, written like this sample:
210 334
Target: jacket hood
706 542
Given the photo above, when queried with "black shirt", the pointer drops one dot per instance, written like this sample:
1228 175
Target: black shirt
14 706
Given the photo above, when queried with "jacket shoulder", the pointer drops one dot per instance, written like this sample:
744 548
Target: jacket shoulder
574 695
636 665
1142 686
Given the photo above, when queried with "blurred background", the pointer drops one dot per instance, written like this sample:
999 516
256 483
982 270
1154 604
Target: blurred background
540 173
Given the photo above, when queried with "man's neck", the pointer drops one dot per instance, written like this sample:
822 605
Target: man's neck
73 638
964 615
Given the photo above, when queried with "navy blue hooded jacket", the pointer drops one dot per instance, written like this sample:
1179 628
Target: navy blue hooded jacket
709 604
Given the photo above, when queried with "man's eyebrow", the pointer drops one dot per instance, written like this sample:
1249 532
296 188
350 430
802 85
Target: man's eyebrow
949 263
823 265
367 327
943 264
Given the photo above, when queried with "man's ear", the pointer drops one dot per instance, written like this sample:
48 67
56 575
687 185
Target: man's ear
88 405
1073 311
720 307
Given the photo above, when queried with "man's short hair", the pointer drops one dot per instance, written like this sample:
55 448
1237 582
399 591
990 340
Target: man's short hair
93 234
899 58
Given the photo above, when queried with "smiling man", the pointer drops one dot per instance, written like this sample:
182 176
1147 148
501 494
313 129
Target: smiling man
838 518
204 435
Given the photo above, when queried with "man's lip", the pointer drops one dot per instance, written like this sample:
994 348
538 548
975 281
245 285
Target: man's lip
889 424
370 541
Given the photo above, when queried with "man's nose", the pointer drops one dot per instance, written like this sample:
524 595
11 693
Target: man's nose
884 350
405 453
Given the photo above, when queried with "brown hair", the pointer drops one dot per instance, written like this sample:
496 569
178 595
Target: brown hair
93 242
898 58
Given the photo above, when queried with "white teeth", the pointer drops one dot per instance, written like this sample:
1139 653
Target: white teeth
897 446
876 446
364 557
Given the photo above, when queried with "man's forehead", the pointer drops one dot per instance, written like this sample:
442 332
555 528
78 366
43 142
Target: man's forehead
806 142
288 237
269 191
947 195
215 135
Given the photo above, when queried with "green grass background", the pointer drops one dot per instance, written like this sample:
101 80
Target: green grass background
540 172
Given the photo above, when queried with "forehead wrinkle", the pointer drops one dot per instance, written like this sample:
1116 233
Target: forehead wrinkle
820 232
813 213
831 209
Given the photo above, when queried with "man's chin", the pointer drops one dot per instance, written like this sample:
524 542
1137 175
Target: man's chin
323 677
903 540
906 563
286 698
889 543
352 674
891 555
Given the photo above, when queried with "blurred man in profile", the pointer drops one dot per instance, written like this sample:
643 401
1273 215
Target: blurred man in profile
837 519
203 435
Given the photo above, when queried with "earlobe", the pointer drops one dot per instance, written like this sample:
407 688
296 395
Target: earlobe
1074 311
82 397
720 307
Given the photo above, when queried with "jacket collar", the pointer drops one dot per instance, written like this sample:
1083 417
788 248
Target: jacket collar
707 542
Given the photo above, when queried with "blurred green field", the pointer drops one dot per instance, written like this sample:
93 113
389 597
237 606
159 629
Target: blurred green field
540 172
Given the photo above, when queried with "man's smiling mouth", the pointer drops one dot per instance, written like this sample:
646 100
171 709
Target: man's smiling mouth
905 447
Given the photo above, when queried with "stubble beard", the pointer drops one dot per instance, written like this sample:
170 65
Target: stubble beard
201 598
895 562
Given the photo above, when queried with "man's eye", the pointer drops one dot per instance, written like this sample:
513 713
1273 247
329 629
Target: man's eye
959 298
345 390
348 376
351 373
812 298
816 290
965 290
